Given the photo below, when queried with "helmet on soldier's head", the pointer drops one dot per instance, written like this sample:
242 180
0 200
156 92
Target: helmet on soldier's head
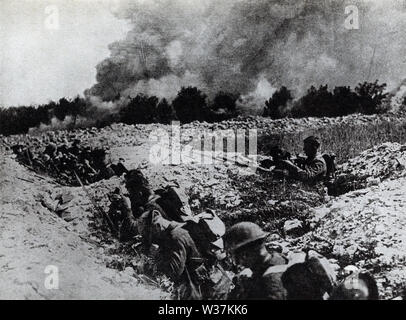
136 178
243 233
312 140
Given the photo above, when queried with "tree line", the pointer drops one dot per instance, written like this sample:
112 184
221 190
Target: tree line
191 104
366 98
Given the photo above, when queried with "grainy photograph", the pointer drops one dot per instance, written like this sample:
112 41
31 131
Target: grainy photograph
203 150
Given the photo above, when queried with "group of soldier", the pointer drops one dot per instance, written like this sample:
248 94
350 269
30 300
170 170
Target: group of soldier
191 247
70 163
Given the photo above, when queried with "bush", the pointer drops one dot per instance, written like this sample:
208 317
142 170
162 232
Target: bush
190 105
274 107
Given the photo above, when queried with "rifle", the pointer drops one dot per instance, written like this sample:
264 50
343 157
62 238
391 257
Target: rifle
98 209
278 154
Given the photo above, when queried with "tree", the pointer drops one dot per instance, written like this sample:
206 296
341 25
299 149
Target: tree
190 104
316 103
141 109
345 101
61 109
223 107
165 112
274 106
77 108
403 106
371 97
225 100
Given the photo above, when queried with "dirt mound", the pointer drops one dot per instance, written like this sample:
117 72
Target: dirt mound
386 161
366 228
382 162
32 237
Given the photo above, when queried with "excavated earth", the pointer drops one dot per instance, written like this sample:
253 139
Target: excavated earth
34 240
364 227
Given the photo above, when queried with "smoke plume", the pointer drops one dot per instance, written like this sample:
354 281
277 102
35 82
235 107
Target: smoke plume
251 47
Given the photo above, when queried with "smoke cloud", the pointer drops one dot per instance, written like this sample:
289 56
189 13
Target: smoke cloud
251 47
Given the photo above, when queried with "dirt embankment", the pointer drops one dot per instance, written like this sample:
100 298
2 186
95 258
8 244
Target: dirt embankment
35 240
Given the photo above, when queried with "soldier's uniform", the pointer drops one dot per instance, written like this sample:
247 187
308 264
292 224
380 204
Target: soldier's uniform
128 224
265 283
106 172
179 257
181 261
311 170
311 279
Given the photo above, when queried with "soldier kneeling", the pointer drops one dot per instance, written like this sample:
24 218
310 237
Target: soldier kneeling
189 246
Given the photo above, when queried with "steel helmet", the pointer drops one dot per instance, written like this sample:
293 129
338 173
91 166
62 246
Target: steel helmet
242 234
314 141
136 177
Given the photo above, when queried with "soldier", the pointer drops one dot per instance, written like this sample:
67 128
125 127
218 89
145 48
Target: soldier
357 286
311 169
184 256
119 168
106 169
245 243
312 279
126 208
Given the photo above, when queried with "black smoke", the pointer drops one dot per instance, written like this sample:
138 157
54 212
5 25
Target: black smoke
251 47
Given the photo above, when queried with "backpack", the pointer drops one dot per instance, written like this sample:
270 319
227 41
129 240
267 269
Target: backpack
207 229
211 225
330 160
310 279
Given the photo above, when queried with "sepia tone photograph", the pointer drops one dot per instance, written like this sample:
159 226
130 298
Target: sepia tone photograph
215 150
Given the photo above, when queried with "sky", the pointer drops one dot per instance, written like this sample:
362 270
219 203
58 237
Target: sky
59 48
43 56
